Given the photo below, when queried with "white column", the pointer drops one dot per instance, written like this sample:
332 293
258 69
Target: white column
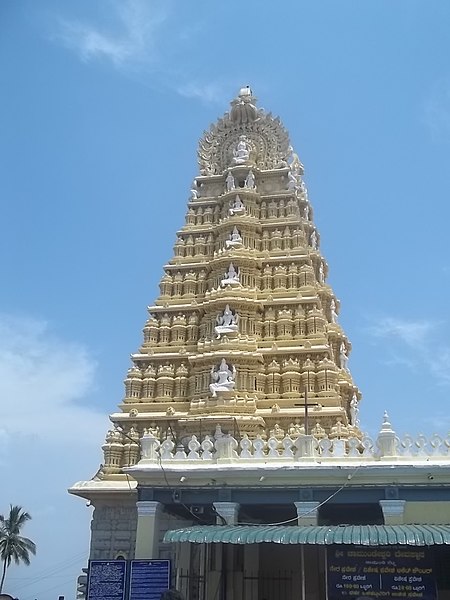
228 510
393 511
148 526
307 512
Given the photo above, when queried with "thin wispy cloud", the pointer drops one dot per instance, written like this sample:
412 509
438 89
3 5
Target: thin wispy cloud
129 40
409 332
413 344
210 92
45 377
141 39
437 109
50 437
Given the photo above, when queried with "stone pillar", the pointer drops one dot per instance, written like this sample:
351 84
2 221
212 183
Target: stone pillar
307 512
393 511
228 510
148 526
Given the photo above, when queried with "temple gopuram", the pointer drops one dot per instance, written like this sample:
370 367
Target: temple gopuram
237 458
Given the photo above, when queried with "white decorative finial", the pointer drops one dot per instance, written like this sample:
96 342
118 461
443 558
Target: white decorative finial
245 91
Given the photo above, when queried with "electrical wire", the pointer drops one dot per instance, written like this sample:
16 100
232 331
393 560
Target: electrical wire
171 489
349 478
56 568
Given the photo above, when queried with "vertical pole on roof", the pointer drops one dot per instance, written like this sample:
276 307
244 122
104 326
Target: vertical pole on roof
302 565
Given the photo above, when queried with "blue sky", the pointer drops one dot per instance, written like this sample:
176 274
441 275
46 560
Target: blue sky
102 106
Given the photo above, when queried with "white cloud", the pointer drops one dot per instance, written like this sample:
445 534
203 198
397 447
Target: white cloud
437 109
131 36
209 93
48 440
409 332
415 344
130 42
41 379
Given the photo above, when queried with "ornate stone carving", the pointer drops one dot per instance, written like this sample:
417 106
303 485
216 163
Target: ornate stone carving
227 322
241 154
223 378
354 411
236 206
231 276
264 133
235 239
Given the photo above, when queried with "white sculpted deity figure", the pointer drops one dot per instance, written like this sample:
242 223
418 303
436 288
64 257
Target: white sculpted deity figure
292 181
296 165
354 411
194 194
313 239
241 154
250 181
231 276
230 183
236 206
333 311
306 212
223 378
343 357
235 239
321 273
227 322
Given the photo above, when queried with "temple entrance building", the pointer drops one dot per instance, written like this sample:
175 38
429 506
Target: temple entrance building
237 451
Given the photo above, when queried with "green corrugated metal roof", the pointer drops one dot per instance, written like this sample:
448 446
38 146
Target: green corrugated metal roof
362 535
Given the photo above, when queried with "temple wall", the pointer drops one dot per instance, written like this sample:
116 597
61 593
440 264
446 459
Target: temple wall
427 513
113 530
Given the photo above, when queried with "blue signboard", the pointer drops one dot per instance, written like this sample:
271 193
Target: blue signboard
368 573
148 579
106 580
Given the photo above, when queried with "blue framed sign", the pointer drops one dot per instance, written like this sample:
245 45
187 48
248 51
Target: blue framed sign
369 573
107 580
148 579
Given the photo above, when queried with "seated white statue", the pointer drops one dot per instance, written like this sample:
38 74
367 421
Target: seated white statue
235 240
223 378
250 181
231 277
242 153
227 322
230 183
236 206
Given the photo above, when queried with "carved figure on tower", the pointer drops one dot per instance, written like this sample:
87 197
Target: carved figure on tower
250 181
235 240
231 276
236 206
241 154
223 378
313 239
293 184
354 411
334 315
343 357
227 322
230 183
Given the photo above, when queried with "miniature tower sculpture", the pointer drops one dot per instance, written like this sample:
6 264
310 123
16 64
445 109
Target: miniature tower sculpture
245 331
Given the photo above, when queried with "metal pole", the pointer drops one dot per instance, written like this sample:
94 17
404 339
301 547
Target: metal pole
326 572
302 564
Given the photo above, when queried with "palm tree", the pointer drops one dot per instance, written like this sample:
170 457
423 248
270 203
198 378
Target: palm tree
13 546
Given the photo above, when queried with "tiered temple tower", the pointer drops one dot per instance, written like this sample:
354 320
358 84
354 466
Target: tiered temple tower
240 413
245 331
